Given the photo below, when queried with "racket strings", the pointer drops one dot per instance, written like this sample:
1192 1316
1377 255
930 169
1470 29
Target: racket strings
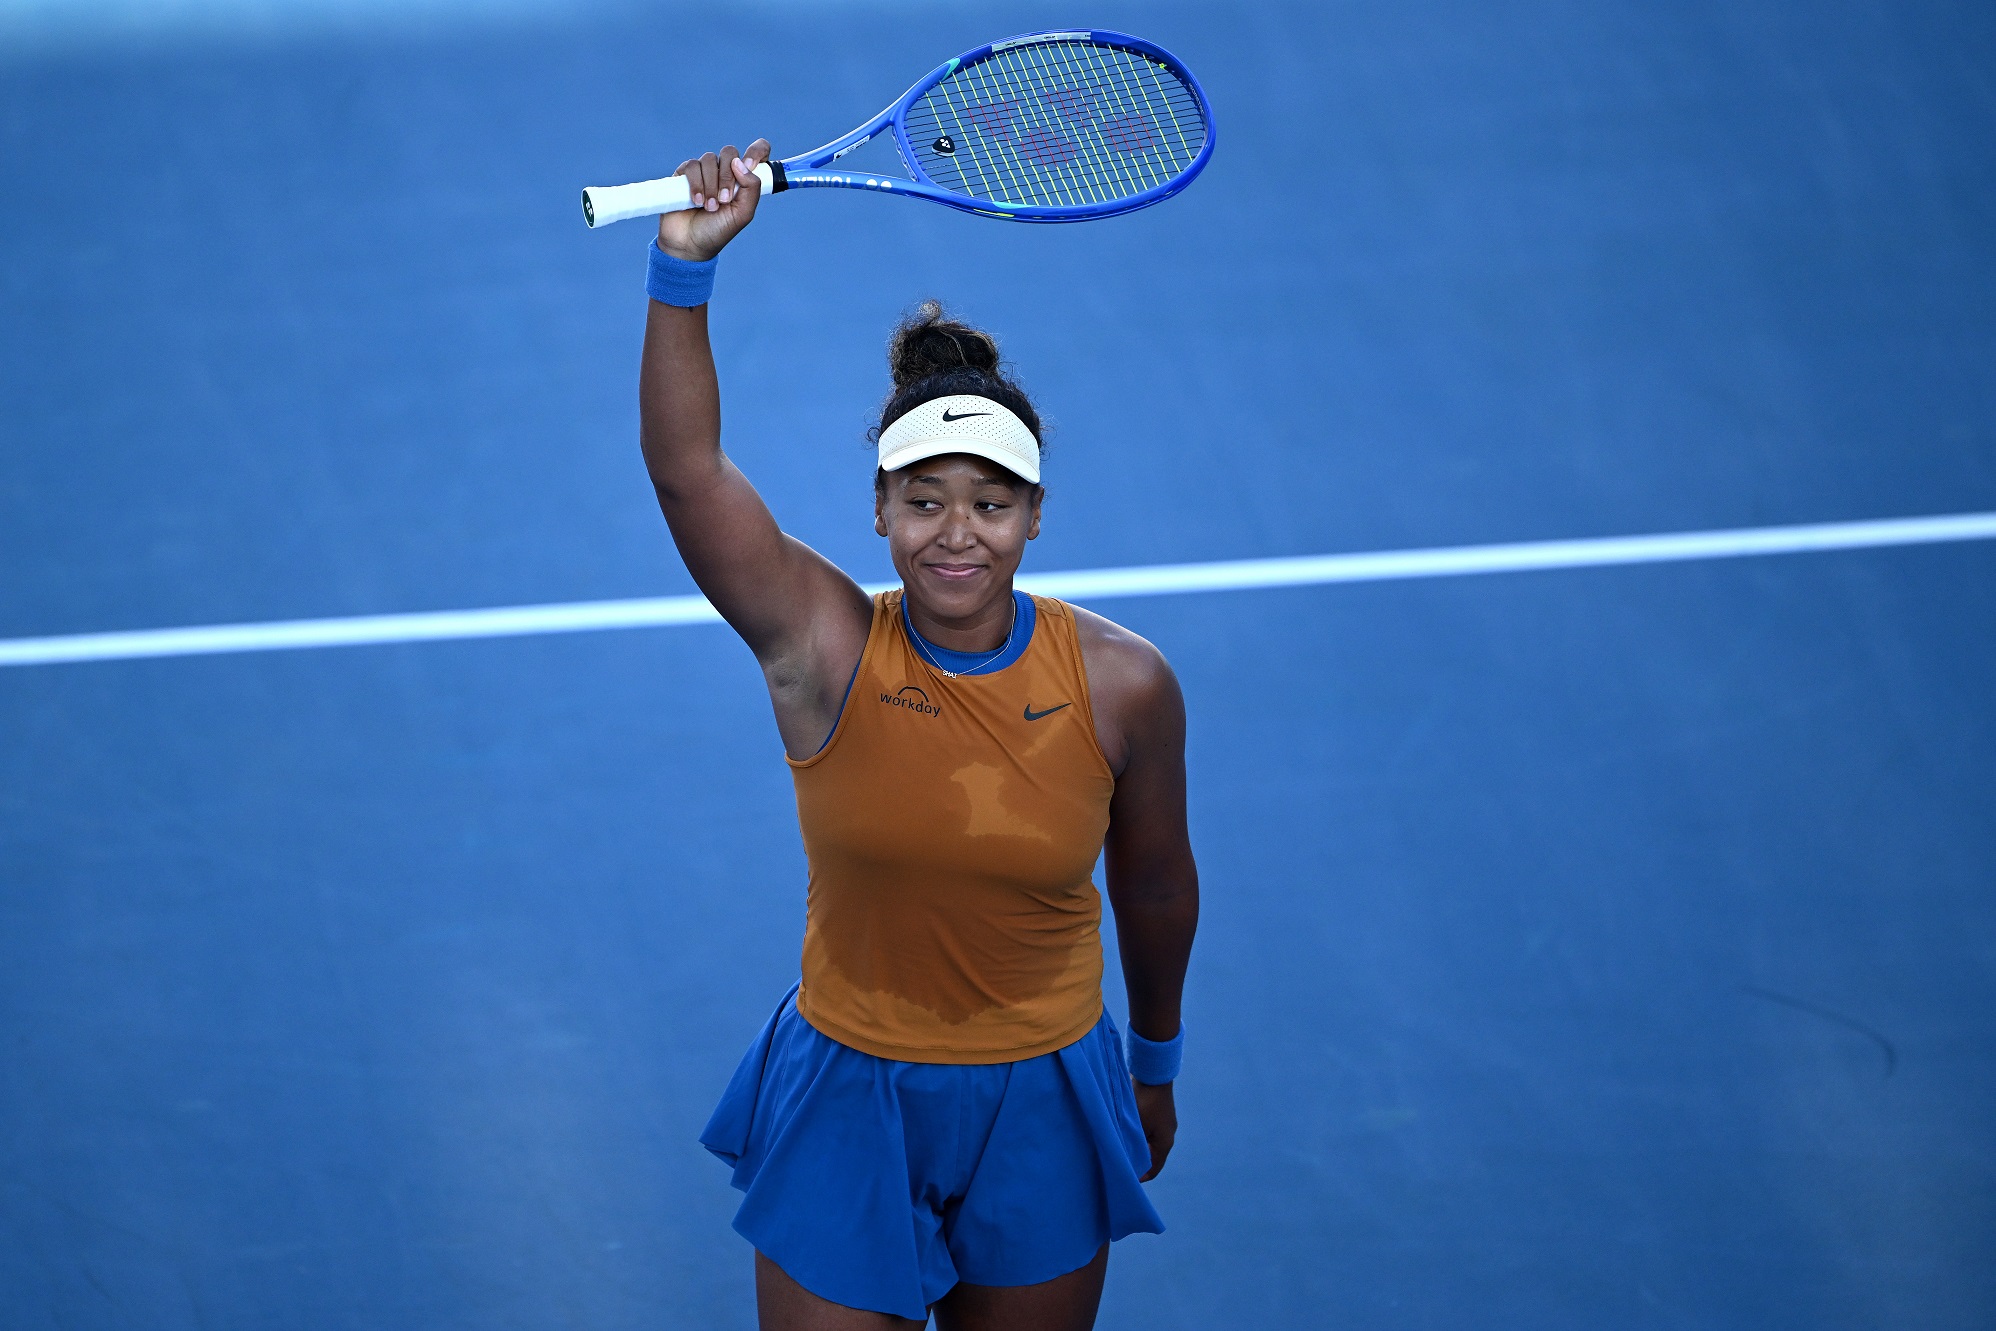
1058 124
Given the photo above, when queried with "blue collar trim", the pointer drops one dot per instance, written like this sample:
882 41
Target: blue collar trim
973 663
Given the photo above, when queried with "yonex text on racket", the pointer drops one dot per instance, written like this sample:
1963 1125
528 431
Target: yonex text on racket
1047 127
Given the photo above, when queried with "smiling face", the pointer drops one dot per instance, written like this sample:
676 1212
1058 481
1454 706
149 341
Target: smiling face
956 527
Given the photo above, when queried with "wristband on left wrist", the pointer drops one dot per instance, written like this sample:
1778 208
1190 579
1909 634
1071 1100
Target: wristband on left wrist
1156 1062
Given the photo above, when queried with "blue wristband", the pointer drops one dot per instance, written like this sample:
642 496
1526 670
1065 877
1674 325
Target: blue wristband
1154 1063
681 282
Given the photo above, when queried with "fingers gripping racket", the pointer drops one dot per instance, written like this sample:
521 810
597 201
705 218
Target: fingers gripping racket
1048 127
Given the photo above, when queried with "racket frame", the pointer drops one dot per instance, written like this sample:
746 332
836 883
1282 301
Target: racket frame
811 170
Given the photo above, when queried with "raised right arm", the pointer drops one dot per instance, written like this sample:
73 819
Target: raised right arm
804 619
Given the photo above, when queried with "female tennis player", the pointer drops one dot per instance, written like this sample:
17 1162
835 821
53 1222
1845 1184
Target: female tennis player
940 1118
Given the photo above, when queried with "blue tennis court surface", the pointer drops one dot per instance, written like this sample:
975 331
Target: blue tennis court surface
1607 947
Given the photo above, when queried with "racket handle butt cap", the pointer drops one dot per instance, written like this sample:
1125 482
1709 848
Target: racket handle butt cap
603 204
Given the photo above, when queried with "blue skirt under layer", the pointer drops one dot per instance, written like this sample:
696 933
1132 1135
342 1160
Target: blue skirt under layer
879 1184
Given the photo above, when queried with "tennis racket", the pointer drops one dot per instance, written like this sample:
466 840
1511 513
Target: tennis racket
1049 127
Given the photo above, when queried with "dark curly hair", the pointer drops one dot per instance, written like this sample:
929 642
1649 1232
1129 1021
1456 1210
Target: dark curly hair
932 355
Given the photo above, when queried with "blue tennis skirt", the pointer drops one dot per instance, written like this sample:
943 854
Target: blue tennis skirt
879 1184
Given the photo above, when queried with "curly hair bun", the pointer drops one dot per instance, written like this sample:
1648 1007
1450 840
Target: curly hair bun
932 355
928 343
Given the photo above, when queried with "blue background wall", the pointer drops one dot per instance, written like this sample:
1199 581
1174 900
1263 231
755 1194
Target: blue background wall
1603 948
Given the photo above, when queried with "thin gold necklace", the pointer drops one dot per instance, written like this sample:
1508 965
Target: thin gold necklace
922 645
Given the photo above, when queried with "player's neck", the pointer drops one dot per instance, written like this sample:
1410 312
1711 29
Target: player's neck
984 629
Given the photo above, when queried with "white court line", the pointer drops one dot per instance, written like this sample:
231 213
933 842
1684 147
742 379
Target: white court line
1076 585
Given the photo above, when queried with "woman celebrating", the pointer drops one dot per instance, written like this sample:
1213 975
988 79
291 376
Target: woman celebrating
939 1118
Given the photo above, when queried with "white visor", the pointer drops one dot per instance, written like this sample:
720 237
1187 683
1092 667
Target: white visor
964 423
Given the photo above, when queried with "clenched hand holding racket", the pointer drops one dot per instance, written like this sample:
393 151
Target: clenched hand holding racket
1048 127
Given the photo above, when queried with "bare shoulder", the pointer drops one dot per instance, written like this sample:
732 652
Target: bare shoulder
1131 686
1113 654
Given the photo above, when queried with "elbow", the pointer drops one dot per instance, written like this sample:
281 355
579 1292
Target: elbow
1159 894
677 481
670 495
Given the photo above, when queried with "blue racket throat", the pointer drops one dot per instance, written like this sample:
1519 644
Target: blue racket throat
1062 126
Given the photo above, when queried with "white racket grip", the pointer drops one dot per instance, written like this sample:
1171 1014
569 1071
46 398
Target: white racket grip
602 204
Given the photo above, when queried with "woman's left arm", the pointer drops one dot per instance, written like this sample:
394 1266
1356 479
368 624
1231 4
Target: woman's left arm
1153 882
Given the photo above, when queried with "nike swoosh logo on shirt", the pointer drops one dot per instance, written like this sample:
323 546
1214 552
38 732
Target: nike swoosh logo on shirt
962 415
1032 715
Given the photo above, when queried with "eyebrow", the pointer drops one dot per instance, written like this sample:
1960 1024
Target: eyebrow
1006 481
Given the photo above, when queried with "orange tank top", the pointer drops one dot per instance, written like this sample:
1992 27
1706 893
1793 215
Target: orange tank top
952 824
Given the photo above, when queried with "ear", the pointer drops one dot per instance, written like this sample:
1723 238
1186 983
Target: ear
880 512
1033 524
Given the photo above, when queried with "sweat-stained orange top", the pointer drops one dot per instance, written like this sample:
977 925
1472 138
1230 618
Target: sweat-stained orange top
952 824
